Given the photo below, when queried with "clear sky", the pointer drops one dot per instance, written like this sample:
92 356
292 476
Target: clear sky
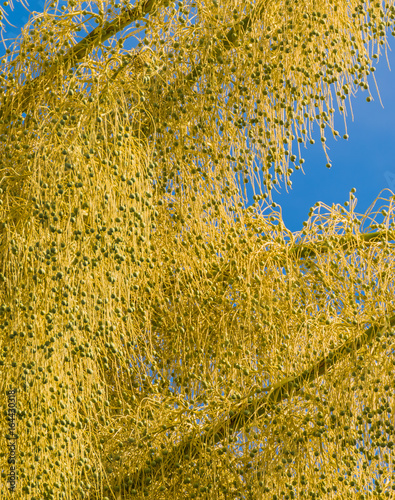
365 161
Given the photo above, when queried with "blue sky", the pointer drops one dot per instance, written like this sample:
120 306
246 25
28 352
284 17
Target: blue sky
366 161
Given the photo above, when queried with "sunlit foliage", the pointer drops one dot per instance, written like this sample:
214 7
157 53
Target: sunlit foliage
165 340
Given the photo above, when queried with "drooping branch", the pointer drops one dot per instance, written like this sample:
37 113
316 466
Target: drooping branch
102 33
239 416
225 43
77 53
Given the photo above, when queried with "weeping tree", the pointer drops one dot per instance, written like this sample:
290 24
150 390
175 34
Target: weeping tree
165 339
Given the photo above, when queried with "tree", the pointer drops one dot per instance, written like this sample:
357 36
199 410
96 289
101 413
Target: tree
164 339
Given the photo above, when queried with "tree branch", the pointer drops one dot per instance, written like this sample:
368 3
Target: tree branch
82 48
277 393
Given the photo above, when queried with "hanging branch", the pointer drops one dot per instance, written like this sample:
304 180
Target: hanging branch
244 412
77 53
102 33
